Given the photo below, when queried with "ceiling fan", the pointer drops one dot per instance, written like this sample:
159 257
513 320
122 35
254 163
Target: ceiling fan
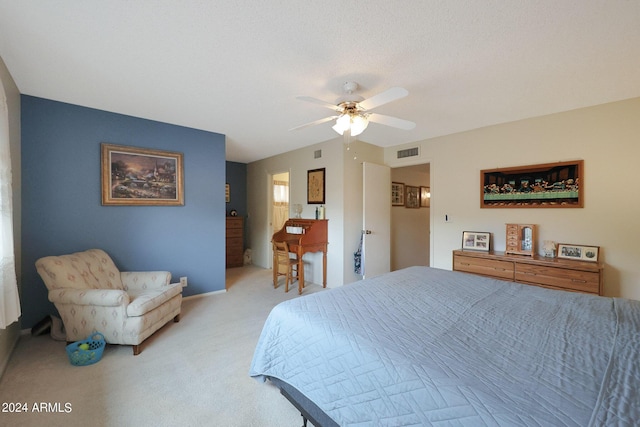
353 112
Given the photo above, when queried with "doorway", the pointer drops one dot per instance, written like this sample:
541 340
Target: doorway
410 224
280 201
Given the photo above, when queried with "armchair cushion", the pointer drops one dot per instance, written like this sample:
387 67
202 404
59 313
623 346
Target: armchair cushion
144 302
91 269
99 297
143 280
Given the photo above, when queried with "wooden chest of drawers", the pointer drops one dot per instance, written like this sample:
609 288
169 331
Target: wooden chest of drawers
235 241
554 273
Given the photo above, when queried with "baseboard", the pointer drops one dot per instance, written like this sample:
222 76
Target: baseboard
206 294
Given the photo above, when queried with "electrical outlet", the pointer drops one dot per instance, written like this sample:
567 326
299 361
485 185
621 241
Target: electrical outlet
183 281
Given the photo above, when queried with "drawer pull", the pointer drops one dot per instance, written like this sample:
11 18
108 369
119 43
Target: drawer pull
578 281
465 263
499 269
530 274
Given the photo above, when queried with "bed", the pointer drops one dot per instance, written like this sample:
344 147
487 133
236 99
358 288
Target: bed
424 346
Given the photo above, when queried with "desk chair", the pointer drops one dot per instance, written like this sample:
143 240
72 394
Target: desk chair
285 265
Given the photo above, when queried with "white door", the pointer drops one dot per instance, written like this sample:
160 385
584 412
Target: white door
376 219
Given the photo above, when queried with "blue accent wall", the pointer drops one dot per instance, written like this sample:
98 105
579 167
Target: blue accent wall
237 180
61 199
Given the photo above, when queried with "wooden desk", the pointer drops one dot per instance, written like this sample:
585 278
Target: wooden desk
313 238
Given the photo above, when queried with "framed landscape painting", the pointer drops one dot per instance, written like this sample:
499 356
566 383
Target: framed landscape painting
140 176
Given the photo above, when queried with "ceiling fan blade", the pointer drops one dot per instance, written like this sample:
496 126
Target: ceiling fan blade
317 122
391 121
384 98
334 107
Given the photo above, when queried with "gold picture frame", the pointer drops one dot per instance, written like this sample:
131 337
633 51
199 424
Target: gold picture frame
141 176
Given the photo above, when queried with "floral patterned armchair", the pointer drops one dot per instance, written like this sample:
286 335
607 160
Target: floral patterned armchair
92 295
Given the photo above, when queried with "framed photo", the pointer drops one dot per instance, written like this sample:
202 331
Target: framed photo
425 197
412 197
140 176
476 241
315 186
397 194
578 252
549 185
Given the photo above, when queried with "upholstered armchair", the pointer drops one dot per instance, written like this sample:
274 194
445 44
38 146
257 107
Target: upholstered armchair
92 295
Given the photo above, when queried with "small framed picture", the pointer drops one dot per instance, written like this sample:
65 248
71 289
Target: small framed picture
476 241
397 194
412 196
578 252
425 197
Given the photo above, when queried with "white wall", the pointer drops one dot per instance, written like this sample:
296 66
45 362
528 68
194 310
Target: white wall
343 203
9 336
606 137
353 186
298 162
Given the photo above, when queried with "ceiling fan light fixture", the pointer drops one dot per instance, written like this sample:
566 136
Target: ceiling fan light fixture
356 123
343 123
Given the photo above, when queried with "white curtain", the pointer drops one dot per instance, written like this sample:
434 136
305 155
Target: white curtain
9 301
280 204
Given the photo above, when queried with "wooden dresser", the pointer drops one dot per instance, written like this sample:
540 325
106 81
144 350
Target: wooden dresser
554 273
235 241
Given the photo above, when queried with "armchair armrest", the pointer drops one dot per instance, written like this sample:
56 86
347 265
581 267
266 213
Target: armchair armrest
97 297
139 280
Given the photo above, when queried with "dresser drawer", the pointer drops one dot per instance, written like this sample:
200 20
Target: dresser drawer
234 222
234 232
483 266
558 278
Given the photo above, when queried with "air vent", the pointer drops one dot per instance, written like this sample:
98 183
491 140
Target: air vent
409 152
317 154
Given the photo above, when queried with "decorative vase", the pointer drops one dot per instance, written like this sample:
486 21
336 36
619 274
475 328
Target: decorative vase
549 248
297 208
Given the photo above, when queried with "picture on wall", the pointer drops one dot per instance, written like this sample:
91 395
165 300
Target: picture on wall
412 196
140 176
397 194
549 185
315 186
425 197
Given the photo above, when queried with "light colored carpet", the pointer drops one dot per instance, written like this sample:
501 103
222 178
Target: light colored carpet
191 373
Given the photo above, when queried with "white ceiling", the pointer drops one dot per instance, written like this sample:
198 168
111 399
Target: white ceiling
236 67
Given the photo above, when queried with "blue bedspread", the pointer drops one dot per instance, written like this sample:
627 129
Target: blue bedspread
424 346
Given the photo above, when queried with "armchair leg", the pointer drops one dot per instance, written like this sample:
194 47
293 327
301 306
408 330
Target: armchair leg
177 318
137 349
